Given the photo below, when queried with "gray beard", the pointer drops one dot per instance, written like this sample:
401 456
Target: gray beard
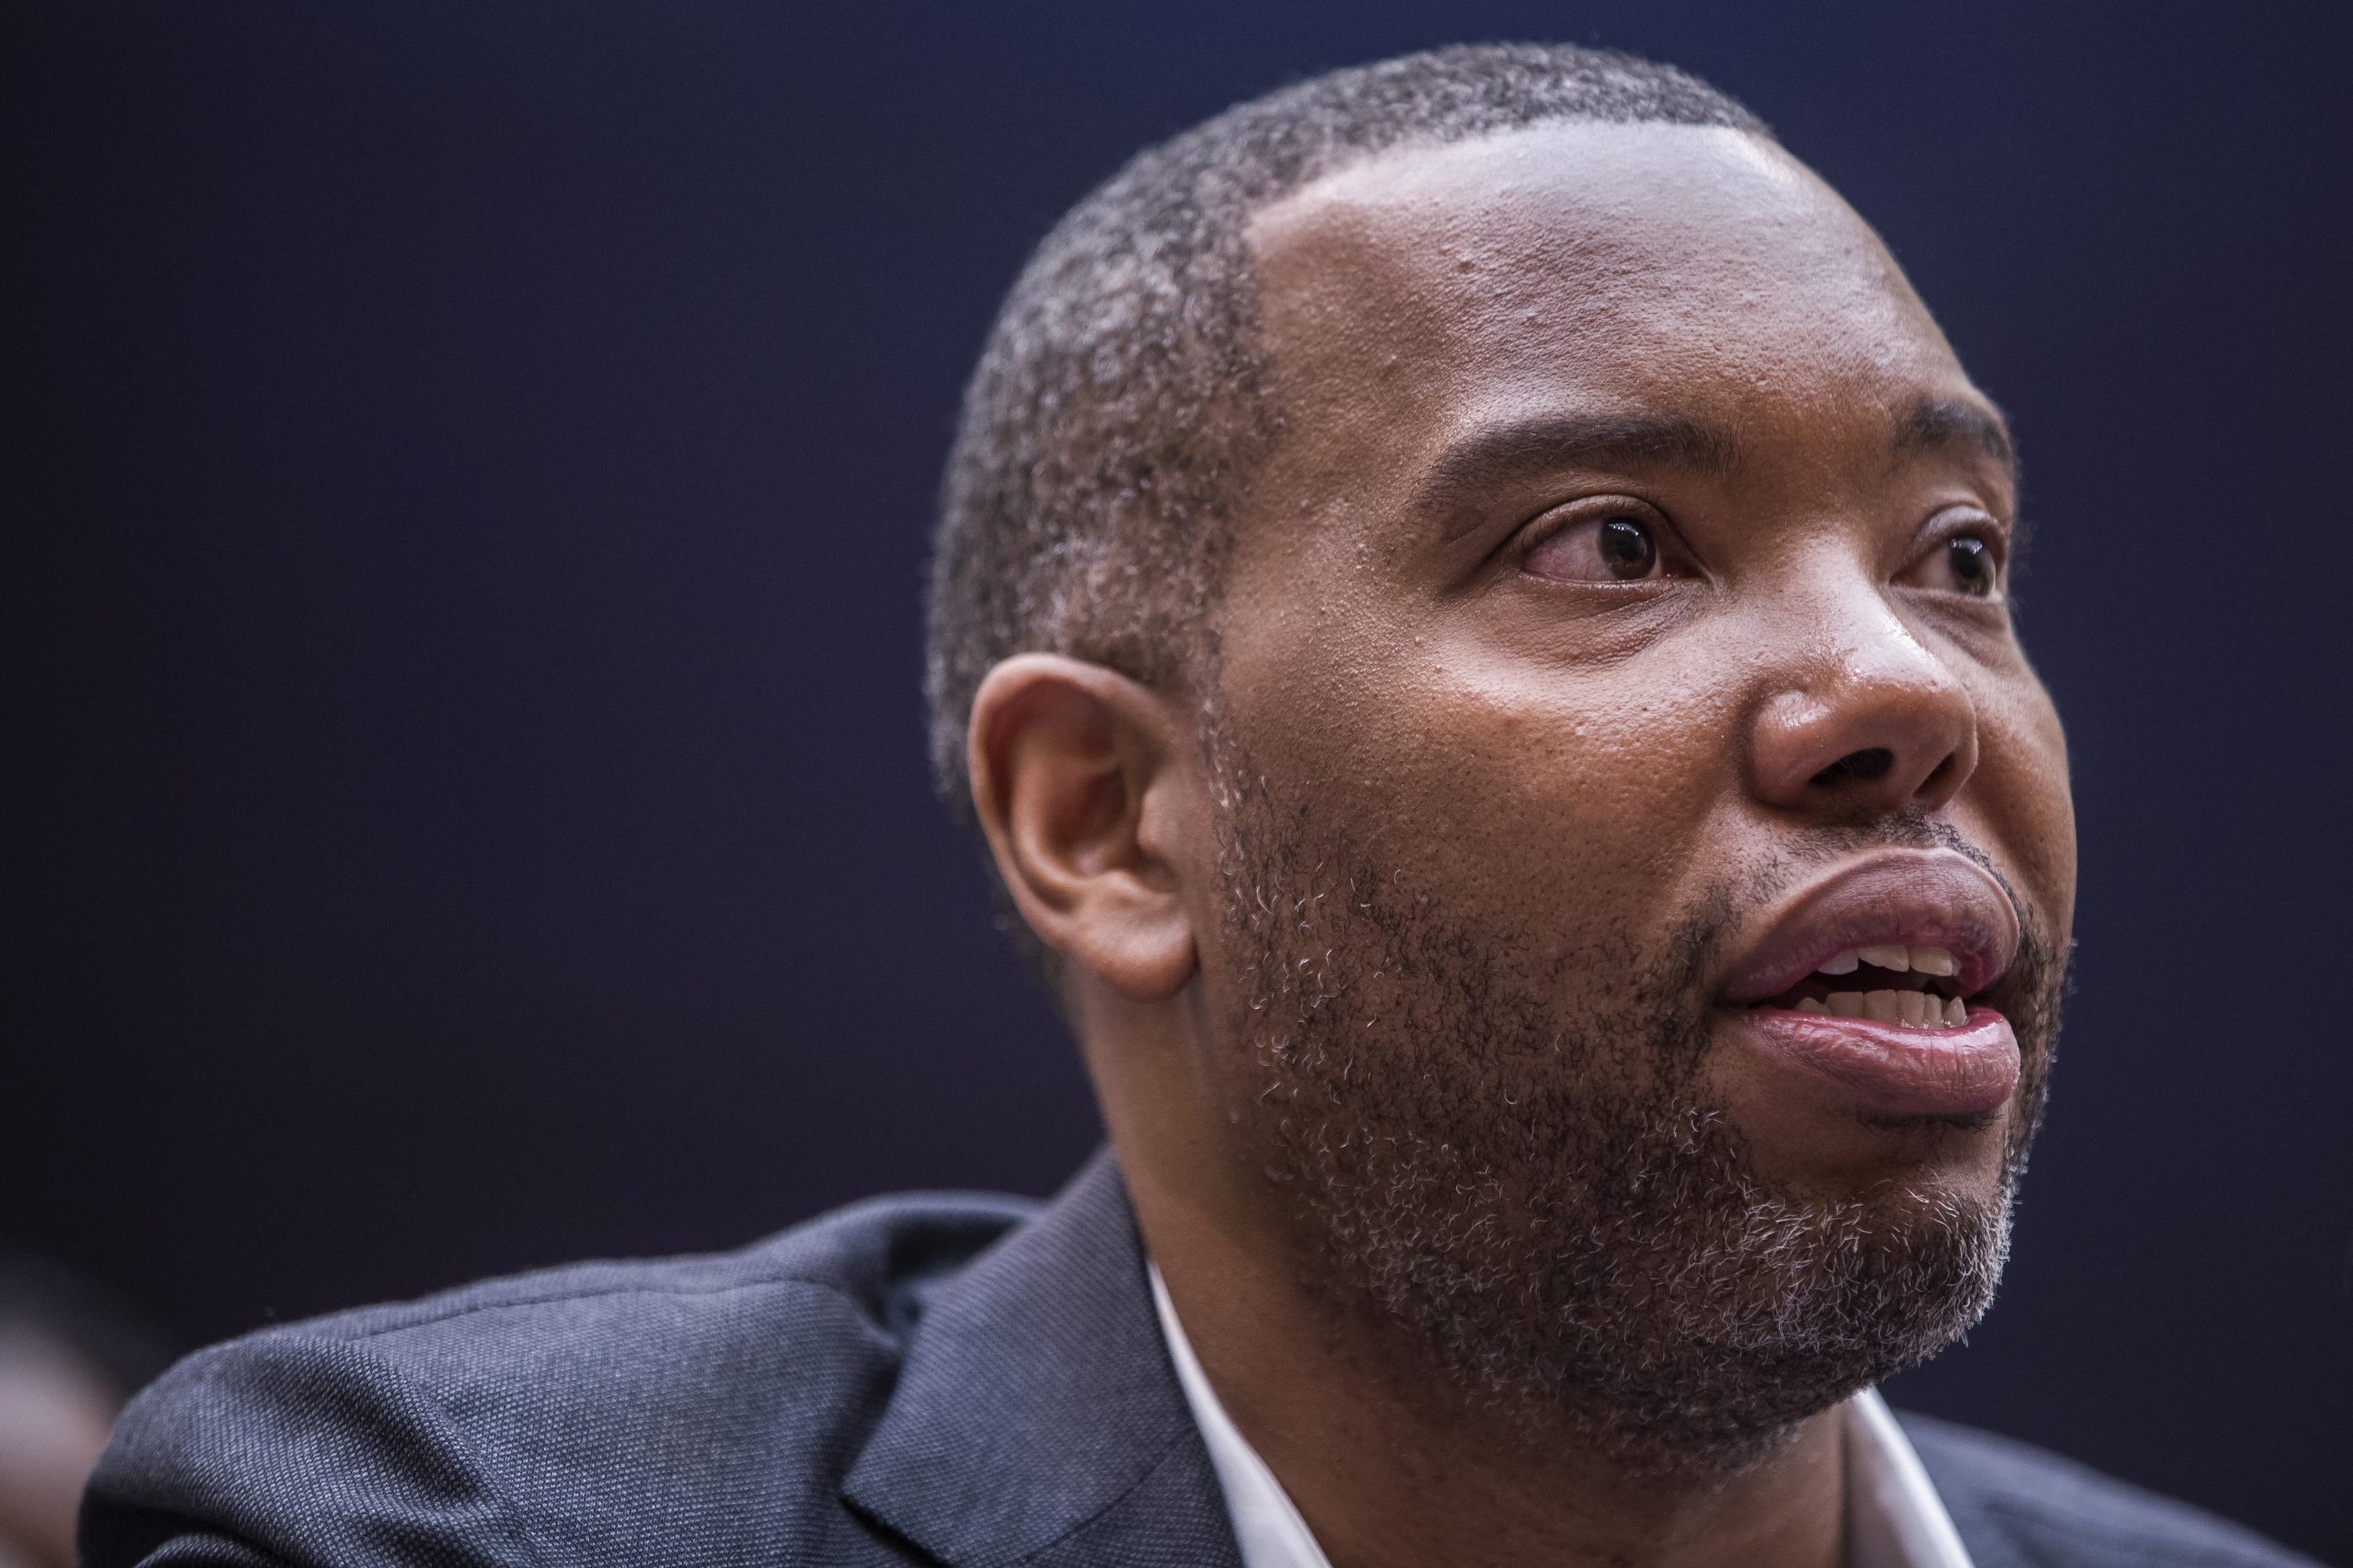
1539 1209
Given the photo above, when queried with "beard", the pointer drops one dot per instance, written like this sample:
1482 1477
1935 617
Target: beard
1542 1209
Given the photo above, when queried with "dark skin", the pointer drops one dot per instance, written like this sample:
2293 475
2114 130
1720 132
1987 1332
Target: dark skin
1624 490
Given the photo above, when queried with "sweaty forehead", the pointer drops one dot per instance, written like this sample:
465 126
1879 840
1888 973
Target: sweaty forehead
1684 270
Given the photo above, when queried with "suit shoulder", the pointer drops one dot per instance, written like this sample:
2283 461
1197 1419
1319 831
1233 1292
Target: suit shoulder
2017 1504
877 1256
527 1419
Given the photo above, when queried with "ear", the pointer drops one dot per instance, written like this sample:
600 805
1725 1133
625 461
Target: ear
1086 785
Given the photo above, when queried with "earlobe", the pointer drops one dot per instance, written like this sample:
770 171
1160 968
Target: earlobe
1084 786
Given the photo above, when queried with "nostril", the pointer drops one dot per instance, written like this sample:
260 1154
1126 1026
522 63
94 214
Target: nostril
1857 768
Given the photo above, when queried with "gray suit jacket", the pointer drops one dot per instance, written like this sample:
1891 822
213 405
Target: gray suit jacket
963 1379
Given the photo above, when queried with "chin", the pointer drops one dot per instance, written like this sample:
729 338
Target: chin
1845 1156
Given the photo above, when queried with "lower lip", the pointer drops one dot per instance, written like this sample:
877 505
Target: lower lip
1894 1070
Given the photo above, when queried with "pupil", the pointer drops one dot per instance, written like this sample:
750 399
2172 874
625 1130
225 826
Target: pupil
1972 566
1626 548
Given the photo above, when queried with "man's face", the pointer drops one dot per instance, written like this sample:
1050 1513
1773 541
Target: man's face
1617 689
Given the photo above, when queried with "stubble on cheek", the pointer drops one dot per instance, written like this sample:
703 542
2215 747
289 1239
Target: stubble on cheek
1497 1151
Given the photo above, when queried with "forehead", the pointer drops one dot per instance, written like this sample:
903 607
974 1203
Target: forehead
1692 271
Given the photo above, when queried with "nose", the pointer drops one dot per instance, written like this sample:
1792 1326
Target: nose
1866 720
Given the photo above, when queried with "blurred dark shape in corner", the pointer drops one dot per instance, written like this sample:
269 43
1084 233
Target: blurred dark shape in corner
72 1353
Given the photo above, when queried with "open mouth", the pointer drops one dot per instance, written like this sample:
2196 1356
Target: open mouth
1860 982
1914 987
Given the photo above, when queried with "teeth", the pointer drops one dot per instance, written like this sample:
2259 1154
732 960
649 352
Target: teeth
1913 1009
1895 958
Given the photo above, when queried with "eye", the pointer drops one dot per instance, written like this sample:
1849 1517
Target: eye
1613 548
1965 564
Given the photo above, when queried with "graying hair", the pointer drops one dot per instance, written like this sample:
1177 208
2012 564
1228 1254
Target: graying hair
1120 404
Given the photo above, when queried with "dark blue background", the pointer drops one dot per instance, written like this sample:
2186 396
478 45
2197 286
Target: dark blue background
467 473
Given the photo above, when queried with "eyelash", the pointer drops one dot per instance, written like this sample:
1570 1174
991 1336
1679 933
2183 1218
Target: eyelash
1980 526
1534 535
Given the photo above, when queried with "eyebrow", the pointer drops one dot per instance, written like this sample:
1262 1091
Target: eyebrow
1467 474
1464 481
1947 423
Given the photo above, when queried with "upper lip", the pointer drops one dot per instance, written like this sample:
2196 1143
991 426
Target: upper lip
1934 897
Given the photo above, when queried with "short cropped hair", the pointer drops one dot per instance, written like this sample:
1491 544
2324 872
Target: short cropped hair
1119 404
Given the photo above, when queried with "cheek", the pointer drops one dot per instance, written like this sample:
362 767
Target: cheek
2021 789
1552 803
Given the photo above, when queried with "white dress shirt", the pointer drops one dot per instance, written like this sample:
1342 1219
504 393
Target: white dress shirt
1893 1516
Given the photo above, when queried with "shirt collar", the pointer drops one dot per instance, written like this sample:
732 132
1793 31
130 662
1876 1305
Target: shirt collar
1893 1516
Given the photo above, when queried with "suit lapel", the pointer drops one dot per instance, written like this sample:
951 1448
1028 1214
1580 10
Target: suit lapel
1038 1419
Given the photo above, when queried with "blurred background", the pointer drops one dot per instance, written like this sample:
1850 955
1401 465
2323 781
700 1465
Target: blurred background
467 472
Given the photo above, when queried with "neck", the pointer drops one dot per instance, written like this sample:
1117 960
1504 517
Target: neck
1387 1469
